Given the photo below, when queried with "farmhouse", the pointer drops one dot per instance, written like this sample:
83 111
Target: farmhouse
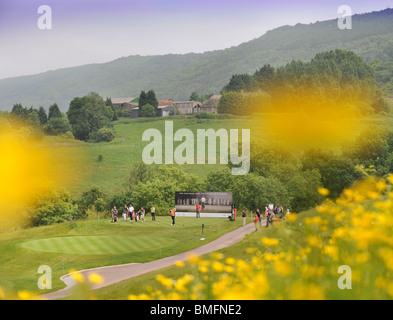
186 107
209 106
122 102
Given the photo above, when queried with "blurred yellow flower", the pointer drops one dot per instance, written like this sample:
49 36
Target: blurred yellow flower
166 282
95 278
217 266
193 258
77 276
301 291
381 185
323 192
314 241
282 268
292 217
179 264
373 195
24 295
270 241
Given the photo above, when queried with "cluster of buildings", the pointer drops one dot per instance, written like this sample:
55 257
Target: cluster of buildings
166 107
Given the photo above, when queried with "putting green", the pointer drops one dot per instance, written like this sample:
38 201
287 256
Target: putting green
98 245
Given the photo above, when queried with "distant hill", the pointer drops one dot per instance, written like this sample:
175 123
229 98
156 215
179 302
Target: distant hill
177 76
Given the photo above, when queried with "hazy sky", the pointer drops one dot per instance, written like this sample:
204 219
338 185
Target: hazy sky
95 31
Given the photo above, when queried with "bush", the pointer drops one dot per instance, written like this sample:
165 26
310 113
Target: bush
56 126
103 135
148 111
53 207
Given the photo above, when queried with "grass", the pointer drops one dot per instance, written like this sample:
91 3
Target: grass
84 169
286 233
88 244
107 165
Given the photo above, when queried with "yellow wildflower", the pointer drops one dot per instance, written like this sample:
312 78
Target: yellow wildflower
373 195
323 192
302 291
282 268
381 185
77 276
270 242
24 295
193 258
179 264
331 251
314 241
217 266
292 217
166 282
95 278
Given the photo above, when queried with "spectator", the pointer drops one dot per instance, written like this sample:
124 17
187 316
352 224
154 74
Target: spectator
114 214
198 211
173 211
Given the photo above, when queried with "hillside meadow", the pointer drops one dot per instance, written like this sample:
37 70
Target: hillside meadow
86 170
107 165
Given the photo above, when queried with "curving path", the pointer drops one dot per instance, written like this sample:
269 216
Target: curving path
115 274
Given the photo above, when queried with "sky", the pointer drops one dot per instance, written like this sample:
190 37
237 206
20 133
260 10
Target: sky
97 31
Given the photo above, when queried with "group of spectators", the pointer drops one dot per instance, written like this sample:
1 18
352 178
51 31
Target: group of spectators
271 212
130 213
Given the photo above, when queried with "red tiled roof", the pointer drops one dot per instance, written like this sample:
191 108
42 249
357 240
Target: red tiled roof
165 102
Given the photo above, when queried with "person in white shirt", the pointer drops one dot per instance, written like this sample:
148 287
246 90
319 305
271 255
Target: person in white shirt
131 210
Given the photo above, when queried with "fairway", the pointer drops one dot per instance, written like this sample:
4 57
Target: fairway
98 245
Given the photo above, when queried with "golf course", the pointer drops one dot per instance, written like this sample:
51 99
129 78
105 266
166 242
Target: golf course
90 244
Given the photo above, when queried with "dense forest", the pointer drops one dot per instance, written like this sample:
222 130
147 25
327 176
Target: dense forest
331 80
177 76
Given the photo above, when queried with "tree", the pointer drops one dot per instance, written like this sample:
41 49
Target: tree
43 117
152 99
142 100
56 126
148 111
108 103
89 114
231 102
54 111
52 207
89 199
18 110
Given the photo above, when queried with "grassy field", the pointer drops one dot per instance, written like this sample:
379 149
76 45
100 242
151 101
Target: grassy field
87 244
286 234
84 170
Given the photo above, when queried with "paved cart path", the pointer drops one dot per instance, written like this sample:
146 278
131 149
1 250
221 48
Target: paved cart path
118 273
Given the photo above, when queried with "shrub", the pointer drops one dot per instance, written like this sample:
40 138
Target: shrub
57 125
148 111
103 135
53 207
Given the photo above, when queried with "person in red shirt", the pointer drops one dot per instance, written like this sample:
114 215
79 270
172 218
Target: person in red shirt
173 216
198 211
